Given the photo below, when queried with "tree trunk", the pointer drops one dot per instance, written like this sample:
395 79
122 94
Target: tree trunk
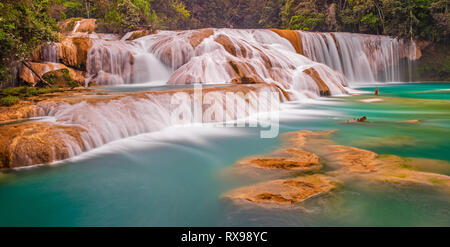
26 64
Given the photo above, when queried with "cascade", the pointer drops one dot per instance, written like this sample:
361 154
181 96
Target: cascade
360 57
49 52
79 125
115 62
211 56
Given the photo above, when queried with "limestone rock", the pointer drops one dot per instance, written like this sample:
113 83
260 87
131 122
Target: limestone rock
64 78
293 37
37 143
283 191
74 50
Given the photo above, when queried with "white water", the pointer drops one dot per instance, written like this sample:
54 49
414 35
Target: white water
169 58
75 28
109 120
49 52
360 57
116 62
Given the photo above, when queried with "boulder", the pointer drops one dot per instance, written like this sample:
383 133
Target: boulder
289 159
283 191
81 25
293 37
324 90
27 76
65 77
43 68
74 50
199 35
37 143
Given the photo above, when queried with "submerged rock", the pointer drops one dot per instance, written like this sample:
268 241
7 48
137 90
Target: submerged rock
283 191
358 120
281 161
346 163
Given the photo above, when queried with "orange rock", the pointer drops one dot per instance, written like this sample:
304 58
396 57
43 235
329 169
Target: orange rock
23 109
323 88
37 143
283 191
199 35
30 78
291 159
74 50
86 25
139 34
244 73
293 37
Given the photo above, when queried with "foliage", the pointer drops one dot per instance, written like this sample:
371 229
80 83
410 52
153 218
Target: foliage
9 100
24 24
11 96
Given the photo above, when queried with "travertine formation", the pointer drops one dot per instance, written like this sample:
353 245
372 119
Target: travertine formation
344 162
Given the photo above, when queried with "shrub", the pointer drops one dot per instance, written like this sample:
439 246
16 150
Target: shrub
9 100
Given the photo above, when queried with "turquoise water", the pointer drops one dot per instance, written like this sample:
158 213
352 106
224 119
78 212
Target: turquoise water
178 181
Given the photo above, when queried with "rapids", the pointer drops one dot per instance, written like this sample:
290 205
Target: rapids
302 69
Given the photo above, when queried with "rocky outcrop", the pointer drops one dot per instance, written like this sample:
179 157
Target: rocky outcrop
27 76
78 25
73 51
37 143
137 34
283 161
283 191
293 37
65 77
22 110
199 35
85 25
344 163
324 90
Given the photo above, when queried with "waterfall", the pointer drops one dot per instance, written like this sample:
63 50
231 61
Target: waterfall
49 52
75 28
101 120
360 57
116 62
211 56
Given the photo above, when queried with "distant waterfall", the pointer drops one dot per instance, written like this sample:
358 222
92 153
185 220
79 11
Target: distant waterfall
360 57
49 52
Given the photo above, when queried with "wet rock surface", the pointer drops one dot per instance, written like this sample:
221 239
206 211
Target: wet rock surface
344 163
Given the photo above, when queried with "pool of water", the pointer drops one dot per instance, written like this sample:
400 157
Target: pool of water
176 177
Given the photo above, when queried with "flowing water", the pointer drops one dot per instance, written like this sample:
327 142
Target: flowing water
175 177
134 168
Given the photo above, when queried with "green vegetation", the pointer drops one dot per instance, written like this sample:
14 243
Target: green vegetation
60 78
25 24
11 96
435 63
9 100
